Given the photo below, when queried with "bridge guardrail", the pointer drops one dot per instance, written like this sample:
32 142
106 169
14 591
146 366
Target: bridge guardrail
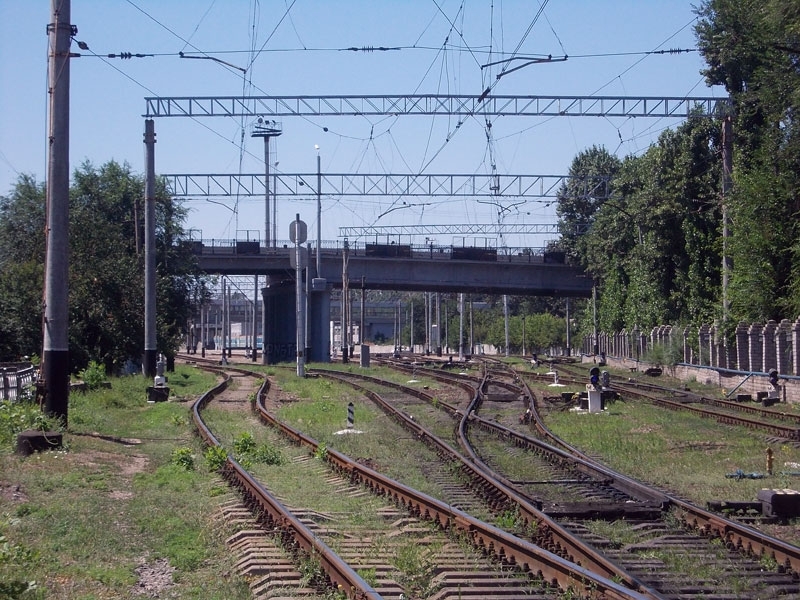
14 380
230 247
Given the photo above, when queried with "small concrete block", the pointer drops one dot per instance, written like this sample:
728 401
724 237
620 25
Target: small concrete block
780 503
31 441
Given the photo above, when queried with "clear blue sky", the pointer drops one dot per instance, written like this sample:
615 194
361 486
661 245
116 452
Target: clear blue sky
292 47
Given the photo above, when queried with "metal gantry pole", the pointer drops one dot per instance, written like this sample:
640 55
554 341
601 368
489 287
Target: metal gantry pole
266 193
411 337
727 183
471 329
150 342
224 319
438 324
461 326
55 346
361 320
505 318
299 337
306 309
319 216
255 318
345 299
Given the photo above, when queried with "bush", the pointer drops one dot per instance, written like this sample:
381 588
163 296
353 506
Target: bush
248 452
19 416
93 376
215 457
244 444
183 458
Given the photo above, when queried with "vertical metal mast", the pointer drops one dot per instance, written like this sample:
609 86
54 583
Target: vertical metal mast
727 179
150 342
267 129
55 347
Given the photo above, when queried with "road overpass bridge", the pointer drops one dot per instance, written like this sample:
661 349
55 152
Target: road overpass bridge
408 268
390 266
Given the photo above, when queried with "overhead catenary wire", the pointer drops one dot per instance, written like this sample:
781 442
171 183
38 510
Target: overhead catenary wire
371 140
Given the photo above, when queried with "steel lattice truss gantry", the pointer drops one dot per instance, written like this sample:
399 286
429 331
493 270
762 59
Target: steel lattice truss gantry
358 184
490 229
433 104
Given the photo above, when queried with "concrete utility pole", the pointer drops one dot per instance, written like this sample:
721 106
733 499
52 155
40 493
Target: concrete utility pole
150 343
55 347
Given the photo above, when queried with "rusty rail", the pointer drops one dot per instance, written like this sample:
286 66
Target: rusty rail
294 534
561 542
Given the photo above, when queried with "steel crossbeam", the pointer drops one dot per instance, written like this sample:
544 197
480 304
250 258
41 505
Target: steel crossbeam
455 229
433 104
385 185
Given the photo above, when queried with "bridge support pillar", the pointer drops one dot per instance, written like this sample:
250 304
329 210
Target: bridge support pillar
319 318
279 327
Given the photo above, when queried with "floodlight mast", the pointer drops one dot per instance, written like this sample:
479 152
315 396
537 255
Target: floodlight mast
267 129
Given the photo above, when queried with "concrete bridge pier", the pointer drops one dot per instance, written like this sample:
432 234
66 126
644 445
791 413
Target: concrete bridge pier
279 326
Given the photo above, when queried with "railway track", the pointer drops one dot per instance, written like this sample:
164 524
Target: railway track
771 421
725 534
536 573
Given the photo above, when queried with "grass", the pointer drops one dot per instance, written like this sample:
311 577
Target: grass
678 451
121 495
132 488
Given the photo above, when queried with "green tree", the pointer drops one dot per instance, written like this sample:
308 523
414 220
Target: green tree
753 49
589 184
652 247
106 273
21 269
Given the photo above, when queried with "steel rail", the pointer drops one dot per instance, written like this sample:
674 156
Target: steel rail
792 433
584 463
294 534
561 542
733 534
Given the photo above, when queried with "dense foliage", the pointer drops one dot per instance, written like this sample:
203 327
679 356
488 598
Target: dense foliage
655 245
106 268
